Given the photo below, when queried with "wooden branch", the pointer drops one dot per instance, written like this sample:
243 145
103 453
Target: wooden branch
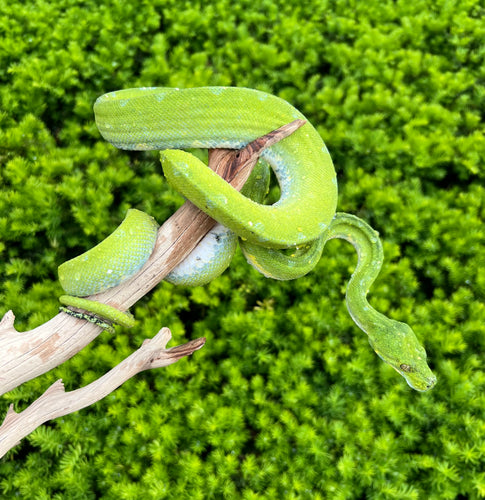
29 354
55 402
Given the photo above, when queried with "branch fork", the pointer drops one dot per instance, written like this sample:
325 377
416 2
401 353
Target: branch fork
56 402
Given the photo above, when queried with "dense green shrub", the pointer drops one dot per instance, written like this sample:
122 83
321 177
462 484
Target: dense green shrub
287 399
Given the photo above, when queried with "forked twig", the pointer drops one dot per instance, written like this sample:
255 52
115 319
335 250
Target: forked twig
55 402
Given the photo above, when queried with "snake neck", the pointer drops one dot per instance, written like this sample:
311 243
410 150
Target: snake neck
393 341
370 256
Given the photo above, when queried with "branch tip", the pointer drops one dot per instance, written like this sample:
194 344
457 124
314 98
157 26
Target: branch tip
7 321
56 387
187 349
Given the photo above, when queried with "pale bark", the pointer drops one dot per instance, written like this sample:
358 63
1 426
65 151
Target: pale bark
55 402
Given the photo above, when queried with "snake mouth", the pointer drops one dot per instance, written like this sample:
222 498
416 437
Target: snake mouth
422 385
431 383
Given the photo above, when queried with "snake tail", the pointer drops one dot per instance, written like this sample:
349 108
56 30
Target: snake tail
102 310
92 318
393 341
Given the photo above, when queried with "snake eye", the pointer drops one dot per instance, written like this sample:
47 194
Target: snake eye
406 368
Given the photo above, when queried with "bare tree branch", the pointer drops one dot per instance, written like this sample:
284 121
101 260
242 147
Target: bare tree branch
55 402
29 354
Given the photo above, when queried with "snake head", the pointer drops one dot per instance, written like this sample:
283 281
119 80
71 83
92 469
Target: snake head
401 349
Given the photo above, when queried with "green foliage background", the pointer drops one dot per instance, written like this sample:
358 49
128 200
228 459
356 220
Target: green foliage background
287 399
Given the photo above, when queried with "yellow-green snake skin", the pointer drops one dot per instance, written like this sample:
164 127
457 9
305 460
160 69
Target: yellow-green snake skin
304 218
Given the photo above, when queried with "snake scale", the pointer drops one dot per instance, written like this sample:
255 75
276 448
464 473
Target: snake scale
283 241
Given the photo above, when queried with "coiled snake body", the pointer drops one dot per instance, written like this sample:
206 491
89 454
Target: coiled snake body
304 217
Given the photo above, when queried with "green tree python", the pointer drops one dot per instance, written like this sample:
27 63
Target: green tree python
283 240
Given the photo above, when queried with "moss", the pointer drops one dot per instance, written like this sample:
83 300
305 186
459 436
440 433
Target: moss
287 399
